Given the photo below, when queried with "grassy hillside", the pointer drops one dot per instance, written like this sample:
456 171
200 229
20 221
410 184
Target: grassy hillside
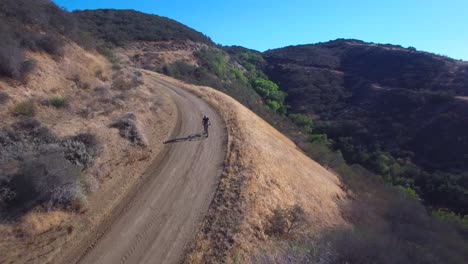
394 110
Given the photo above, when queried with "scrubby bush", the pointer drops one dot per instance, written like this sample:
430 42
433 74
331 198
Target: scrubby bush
26 108
178 69
278 223
319 139
50 44
283 221
30 25
126 82
59 102
47 179
4 97
116 67
385 229
214 60
81 149
98 73
110 56
451 217
408 192
79 82
11 59
128 128
39 169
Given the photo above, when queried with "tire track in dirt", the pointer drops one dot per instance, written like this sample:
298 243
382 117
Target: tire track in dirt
162 218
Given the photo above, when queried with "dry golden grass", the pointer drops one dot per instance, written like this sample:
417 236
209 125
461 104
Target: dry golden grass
37 223
264 171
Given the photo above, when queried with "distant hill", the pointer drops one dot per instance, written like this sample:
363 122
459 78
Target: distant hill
384 106
121 26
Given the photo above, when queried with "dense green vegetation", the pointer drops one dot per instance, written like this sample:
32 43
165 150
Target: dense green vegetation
389 109
118 27
220 70
270 92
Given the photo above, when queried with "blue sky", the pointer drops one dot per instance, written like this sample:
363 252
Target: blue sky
432 25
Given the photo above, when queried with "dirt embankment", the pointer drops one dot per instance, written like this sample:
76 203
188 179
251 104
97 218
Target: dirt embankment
264 171
90 97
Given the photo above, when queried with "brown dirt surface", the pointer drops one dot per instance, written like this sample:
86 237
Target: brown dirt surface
158 221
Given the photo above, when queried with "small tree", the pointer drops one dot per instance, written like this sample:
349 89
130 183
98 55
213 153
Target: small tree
283 221
304 121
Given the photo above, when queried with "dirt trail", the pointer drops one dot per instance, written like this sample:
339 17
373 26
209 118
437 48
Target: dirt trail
161 219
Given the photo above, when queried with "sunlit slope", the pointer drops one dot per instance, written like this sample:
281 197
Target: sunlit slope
264 170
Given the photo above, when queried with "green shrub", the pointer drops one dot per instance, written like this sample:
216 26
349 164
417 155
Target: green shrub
268 90
271 93
251 61
303 121
273 105
318 138
278 223
381 162
408 192
59 102
451 217
214 60
26 108
51 44
110 56
283 221
239 76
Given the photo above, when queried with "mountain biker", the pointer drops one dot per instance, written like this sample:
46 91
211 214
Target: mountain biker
206 122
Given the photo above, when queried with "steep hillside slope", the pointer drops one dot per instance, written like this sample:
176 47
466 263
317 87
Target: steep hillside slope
264 173
75 137
397 111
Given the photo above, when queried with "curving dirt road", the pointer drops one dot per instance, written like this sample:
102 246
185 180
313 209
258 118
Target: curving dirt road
161 219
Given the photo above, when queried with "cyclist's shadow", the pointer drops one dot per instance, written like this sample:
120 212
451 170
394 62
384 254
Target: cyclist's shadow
193 137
